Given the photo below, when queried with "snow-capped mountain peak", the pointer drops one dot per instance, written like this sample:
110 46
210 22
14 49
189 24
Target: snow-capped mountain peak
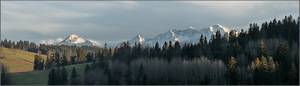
137 39
76 40
191 27
72 40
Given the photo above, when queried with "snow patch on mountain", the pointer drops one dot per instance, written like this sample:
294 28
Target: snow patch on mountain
190 35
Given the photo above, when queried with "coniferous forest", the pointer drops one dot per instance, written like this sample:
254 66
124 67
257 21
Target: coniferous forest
266 54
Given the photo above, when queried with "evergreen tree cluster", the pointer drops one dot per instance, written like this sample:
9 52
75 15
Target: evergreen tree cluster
155 71
23 45
38 63
58 76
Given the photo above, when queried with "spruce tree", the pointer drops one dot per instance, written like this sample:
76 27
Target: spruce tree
64 76
5 77
232 67
177 49
74 77
157 50
293 78
64 61
87 68
51 77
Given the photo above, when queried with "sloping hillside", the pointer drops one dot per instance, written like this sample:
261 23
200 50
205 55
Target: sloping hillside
20 65
17 60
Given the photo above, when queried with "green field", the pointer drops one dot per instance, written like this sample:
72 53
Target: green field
40 77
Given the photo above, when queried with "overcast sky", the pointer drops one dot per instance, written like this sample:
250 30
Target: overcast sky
122 20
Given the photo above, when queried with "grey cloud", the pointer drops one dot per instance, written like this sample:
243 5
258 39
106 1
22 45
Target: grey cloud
113 21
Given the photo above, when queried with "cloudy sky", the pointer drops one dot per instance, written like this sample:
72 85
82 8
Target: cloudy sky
122 20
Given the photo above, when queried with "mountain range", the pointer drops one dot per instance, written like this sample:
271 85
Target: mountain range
189 35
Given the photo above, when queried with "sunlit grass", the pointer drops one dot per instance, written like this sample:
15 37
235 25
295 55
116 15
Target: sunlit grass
17 60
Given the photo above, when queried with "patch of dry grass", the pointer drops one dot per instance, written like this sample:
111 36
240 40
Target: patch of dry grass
17 60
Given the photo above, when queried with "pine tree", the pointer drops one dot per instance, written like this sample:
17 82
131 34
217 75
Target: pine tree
35 63
232 67
157 49
293 77
263 48
38 63
271 64
81 54
87 80
257 63
5 77
49 60
165 49
64 61
99 55
201 40
177 49
87 68
64 76
232 36
89 57
264 63
51 77
141 76
74 59
232 64
74 77
57 59
58 77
